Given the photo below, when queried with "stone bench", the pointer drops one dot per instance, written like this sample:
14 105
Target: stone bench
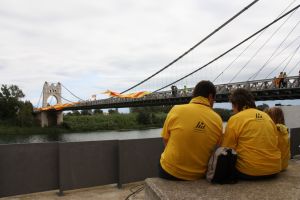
285 186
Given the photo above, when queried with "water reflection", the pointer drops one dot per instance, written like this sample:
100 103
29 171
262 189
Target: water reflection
76 137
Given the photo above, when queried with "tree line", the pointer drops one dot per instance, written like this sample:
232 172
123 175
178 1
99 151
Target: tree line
13 110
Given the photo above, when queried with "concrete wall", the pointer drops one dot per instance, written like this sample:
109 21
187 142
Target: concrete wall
28 168
138 159
86 164
292 116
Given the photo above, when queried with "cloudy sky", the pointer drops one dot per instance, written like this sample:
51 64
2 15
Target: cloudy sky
91 46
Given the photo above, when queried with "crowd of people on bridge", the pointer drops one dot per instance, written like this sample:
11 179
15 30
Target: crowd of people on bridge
280 81
192 132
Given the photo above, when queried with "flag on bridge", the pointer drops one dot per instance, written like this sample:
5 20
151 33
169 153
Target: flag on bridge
131 95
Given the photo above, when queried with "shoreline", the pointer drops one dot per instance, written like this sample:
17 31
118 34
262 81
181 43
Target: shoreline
15 130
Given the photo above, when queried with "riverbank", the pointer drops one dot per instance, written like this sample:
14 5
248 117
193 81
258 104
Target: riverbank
98 123
91 123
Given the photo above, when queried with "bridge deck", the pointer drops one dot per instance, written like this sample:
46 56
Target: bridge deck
265 89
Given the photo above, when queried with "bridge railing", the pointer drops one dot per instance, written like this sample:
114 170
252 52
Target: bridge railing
255 85
267 85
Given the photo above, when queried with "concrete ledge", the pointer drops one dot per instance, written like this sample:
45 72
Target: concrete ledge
285 186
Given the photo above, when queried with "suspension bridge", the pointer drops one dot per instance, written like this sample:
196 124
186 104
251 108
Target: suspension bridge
282 58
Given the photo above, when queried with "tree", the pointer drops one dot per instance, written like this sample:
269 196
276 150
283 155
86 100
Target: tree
154 109
10 103
111 111
263 107
98 111
24 115
75 113
144 117
86 112
224 113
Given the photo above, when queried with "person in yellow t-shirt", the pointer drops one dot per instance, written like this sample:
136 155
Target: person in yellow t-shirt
190 133
252 133
277 116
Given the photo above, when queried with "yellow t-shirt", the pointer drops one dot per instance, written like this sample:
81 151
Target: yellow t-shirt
192 131
252 133
283 145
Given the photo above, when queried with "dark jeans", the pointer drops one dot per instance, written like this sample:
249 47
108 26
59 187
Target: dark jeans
165 175
242 176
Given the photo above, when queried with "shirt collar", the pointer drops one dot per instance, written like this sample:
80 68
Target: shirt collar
200 100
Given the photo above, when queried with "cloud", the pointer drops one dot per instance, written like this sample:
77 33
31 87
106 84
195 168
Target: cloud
97 45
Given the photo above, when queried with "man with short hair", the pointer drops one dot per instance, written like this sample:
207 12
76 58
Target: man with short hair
190 133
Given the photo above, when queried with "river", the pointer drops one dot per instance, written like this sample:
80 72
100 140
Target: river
77 137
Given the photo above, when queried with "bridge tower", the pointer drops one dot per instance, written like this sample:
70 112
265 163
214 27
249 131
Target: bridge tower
51 118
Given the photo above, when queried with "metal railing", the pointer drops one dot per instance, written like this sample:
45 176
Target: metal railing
265 87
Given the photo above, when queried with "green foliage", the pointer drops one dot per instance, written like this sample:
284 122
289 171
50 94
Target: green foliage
98 112
113 111
144 117
86 112
10 102
75 112
224 113
155 109
25 116
151 115
100 122
12 109
6 129
262 107
114 121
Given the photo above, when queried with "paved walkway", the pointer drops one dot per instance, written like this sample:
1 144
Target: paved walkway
285 186
100 193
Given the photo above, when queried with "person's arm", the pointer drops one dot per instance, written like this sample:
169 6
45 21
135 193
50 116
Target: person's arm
165 133
165 141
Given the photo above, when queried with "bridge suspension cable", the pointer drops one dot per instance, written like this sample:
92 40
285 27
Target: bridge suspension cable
291 57
280 64
233 61
65 99
39 99
280 53
193 47
274 52
72 93
237 45
260 48
296 65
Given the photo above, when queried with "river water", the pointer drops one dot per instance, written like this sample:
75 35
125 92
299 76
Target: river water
77 137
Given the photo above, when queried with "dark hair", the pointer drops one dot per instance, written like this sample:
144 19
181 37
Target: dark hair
276 114
204 89
242 98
